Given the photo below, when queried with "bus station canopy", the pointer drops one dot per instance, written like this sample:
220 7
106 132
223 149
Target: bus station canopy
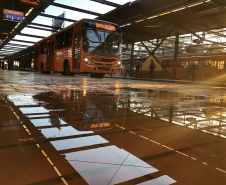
146 20
140 20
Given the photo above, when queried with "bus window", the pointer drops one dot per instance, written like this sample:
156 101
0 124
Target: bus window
42 47
60 41
48 47
52 47
76 51
68 38
79 49
102 43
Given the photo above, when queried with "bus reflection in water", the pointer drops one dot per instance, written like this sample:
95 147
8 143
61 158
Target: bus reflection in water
84 111
87 46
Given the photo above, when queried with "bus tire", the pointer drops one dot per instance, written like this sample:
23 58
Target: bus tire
67 68
97 75
100 75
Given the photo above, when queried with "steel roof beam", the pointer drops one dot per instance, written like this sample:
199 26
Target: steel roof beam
149 51
11 49
42 25
38 28
163 40
34 36
16 45
17 40
55 17
110 3
22 52
201 38
78 9
7 49
7 53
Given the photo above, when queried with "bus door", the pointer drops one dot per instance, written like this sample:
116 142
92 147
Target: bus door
52 54
77 50
48 55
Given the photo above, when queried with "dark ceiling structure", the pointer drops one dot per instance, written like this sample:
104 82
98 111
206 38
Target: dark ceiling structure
146 20
9 29
141 20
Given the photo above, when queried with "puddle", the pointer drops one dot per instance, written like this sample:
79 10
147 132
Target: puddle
163 180
38 116
62 132
112 164
33 110
82 110
196 112
162 94
99 111
78 142
103 174
108 154
46 122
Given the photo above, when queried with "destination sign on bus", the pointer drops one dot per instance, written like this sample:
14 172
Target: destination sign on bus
101 25
105 26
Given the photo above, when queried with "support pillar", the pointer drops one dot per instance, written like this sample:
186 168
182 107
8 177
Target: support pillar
132 61
1 64
176 54
10 64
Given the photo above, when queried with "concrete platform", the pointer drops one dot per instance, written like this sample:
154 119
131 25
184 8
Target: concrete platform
78 130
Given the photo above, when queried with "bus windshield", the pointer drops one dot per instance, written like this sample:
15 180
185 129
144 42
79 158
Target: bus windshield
102 43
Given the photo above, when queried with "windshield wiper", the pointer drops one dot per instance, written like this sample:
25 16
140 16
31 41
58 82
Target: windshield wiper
97 35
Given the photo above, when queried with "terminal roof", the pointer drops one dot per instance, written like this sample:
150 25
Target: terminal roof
140 20
146 20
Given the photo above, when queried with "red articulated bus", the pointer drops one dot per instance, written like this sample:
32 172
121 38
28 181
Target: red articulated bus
87 46
207 66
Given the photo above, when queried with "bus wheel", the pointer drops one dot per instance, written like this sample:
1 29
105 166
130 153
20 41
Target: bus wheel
66 69
42 68
100 75
97 75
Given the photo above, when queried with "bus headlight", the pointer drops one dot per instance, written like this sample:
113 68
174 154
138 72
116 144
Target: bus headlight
117 64
87 61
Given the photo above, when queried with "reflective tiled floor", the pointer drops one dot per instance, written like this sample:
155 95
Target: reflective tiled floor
79 130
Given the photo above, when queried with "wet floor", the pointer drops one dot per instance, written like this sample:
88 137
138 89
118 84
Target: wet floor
79 130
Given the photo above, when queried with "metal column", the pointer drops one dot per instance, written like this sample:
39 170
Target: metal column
176 54
132 61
